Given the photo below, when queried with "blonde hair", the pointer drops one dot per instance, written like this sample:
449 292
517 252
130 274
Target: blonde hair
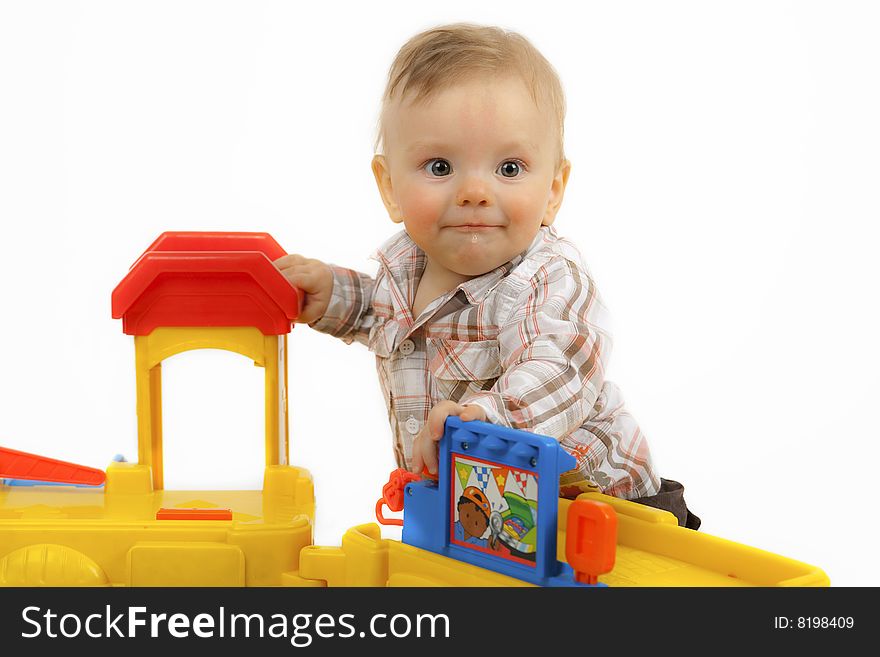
443 56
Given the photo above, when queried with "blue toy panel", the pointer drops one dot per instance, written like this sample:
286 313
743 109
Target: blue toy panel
494 504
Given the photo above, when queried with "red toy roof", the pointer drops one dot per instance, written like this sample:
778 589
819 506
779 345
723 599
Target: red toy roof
207 279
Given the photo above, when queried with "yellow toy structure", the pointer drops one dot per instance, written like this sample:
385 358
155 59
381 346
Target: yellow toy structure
221 291
187 291
652 550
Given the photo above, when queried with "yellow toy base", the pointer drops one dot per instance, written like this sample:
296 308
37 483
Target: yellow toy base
652 551
62 536
53 536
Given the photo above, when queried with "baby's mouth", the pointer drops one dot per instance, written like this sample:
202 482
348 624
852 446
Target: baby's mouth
474 228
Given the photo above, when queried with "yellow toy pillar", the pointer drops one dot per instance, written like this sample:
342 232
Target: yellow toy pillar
267 351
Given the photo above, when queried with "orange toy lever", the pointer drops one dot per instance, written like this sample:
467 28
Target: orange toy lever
21 465
590 539
392 495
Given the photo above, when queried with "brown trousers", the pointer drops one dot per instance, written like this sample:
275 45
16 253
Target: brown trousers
671 498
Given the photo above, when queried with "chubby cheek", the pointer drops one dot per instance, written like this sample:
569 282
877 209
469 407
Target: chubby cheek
525 207
421 206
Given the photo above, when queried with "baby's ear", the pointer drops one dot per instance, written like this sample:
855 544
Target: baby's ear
557 191
382 174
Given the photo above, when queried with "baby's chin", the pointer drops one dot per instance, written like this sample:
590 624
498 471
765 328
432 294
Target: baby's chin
471 262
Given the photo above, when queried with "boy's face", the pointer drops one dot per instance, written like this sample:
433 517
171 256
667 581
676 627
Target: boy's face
472 173
472 519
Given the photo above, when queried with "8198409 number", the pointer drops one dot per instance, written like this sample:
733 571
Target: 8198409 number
814 622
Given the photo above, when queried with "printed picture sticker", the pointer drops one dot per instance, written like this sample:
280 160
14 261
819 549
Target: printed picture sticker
494 509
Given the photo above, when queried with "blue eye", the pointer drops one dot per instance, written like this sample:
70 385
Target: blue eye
438 167
510 169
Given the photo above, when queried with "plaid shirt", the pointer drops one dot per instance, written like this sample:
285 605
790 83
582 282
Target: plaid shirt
527 342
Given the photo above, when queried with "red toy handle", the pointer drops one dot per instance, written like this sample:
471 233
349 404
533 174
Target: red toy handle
392 495
382 519
590 539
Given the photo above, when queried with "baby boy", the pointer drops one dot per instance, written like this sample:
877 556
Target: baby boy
479 309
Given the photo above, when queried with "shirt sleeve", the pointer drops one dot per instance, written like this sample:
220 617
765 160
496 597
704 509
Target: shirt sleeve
349 316
553 351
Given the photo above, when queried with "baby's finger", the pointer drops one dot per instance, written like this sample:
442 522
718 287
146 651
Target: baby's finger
312 280
473 412
289 260
302 276
430 456
417 463
437 417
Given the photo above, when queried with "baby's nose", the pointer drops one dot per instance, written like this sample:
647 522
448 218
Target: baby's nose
474 192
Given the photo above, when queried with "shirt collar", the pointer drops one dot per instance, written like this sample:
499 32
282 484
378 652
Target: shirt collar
405 262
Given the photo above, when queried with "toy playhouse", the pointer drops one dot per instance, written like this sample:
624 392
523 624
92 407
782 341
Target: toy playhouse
491 516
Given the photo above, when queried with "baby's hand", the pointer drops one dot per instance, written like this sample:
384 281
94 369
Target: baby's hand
424 451
314 278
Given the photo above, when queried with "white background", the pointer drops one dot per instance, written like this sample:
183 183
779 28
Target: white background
724 191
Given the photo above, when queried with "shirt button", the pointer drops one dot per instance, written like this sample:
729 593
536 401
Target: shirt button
412 425
407 347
